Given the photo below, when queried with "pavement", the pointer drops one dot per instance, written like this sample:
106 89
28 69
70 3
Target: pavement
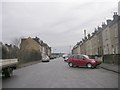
110 67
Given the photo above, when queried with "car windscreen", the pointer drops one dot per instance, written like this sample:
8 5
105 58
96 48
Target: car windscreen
87 57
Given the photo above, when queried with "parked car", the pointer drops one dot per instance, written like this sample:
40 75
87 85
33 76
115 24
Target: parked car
66 56
82 60
52 57
45 58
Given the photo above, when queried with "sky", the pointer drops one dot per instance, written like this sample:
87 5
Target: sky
59 23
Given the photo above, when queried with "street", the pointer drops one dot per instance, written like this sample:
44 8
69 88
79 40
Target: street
57 74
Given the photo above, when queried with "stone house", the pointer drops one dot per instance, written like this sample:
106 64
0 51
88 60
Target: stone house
33 48
104 40
28 44
94 43
114 35
100 41
83 47
89 46
110 36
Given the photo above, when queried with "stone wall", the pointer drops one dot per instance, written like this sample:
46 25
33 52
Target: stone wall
112 59
108 58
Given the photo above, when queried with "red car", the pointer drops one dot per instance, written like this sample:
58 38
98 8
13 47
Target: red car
82 60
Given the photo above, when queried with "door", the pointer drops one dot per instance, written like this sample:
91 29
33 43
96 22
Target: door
81 60
75 60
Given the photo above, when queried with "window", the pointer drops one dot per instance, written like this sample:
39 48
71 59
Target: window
79 57
71 56
75 56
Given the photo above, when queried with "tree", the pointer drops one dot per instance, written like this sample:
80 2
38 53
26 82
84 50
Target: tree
4 52
16 41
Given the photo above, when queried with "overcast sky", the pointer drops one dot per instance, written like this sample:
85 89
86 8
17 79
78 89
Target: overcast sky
59 23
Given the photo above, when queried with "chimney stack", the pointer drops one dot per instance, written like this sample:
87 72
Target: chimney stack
99 28
89 36
115 16
108 21
95 30
103 25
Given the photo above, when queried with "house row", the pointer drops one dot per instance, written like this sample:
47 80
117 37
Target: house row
104 40
35 44
8 51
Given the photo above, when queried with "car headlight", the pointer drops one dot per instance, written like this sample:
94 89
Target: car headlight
93 61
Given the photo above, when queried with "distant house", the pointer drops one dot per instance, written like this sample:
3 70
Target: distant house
29 45
33 49
8 51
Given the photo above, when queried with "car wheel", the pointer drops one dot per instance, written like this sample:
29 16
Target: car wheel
70 64
89 65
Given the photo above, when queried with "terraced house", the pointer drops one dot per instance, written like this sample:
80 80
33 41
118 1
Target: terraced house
104 41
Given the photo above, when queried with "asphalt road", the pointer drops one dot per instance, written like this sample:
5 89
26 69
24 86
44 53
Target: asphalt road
57 74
